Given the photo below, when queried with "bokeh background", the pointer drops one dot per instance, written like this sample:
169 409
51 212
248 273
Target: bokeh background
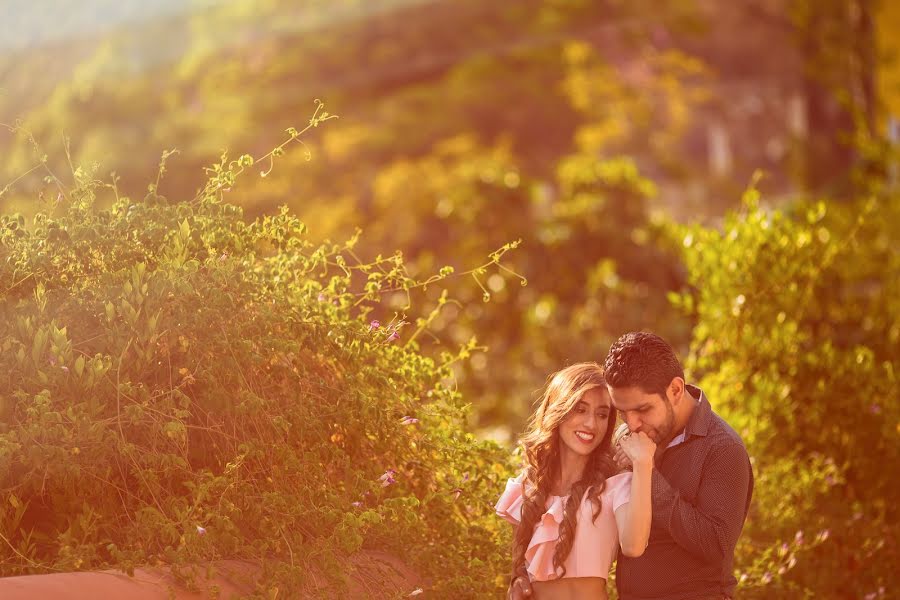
722 173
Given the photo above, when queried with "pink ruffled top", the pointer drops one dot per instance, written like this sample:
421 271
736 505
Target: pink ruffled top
595 544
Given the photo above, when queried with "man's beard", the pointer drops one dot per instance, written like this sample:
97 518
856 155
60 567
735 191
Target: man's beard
666 432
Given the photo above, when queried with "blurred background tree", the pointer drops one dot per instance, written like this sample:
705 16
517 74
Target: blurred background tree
464 125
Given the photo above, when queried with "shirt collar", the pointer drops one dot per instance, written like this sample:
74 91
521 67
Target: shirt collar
698 424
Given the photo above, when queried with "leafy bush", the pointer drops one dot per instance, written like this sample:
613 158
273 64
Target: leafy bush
182 385
796 344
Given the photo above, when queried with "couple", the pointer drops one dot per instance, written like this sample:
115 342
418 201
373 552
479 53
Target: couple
669 496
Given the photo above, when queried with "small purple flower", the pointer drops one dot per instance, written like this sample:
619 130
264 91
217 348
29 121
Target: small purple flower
374 325
394 336
201 530
465 477
798 538
767 577
356 504
408 420
322 297
875 409
388 478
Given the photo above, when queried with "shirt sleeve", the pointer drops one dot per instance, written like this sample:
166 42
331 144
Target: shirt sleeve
619 488
710 528
509 506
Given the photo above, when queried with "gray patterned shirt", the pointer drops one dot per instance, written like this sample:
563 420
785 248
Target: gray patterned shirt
701 491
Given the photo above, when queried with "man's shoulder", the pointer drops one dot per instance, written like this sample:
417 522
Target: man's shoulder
729 447
721 434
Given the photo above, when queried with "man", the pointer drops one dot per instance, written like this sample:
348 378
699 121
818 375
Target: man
701 485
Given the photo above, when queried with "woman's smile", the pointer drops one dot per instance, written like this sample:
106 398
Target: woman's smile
585 436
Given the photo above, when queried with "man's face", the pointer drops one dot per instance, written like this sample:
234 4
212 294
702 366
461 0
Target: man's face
645 412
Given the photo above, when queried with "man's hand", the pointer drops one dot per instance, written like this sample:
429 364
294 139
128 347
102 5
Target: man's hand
520 588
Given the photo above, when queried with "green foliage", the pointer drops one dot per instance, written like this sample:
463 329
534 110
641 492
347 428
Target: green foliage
182 385
471 124
592 261
796 343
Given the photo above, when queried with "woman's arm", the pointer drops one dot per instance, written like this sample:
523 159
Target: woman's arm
633 518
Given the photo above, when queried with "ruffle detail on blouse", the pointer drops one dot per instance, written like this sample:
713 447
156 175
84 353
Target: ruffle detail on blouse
509 506
539 554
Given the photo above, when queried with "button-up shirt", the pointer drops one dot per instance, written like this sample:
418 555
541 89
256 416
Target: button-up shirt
701 490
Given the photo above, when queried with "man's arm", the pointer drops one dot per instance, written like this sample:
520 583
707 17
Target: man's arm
709 529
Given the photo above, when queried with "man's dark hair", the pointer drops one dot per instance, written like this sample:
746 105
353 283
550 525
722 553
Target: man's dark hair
642 360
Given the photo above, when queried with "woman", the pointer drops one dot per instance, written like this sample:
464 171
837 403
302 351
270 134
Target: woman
570 509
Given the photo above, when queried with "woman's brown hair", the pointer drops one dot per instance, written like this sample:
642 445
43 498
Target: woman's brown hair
540 444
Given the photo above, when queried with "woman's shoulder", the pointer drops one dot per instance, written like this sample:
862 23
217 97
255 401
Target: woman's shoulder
618 489
619 479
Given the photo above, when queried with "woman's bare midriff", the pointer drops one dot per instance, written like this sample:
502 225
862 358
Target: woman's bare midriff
570 588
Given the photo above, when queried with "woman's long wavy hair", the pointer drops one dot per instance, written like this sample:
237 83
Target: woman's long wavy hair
540 444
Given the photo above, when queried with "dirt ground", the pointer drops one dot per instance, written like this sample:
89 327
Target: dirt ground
374 575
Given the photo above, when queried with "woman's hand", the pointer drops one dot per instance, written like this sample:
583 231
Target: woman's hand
520 588
638 448
622 461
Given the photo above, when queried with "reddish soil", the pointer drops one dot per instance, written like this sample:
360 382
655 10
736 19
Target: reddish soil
373 575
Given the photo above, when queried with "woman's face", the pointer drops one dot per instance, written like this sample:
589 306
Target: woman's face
582 430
